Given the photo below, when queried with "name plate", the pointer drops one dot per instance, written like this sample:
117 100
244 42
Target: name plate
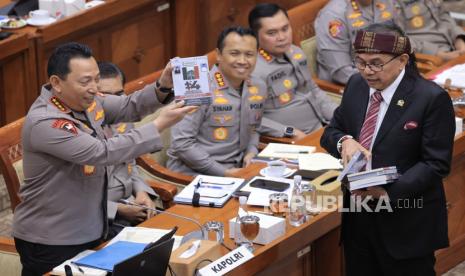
228 262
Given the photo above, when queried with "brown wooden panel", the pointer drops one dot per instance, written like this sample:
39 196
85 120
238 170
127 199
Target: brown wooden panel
290 266
328 254
14 85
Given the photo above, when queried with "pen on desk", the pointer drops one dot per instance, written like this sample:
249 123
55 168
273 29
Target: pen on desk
293 151
210 187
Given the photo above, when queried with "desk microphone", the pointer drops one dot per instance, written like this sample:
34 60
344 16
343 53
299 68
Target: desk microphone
199 234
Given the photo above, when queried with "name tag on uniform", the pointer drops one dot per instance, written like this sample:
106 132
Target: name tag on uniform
228 262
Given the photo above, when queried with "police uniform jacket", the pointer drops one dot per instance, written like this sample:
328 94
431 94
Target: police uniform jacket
65 159
336 26
216 137
429 25
293 97
124 179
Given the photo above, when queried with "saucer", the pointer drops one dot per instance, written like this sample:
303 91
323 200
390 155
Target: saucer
287 172
44 22
10 24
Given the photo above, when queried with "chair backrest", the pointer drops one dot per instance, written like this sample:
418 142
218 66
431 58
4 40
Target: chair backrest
11 157
309 48
10 263
302 18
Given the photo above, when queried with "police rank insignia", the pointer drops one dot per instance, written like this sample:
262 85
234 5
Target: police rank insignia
265 55
285 97
89 170
335 28
57 103
417 21
121 128
355 15
92 106
220 133
99 115
219 79
287 83
65 125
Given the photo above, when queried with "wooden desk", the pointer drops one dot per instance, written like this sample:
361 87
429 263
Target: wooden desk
321 234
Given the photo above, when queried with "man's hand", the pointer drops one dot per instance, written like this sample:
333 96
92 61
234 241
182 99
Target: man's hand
374 192
350 147
166 78
232 172
299 134
247 160
133 214
171 114
142 198
460 45
448 55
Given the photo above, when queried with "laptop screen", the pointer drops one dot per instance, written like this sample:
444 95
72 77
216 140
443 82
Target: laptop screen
151 262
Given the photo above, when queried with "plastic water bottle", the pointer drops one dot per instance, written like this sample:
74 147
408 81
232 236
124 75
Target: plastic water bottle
242 211
297 206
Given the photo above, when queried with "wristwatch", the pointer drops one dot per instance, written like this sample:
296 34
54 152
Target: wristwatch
288 131
342 139
163 89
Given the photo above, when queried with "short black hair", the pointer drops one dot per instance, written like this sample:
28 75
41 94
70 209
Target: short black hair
110 70
390 27
58 63
263 10
235 29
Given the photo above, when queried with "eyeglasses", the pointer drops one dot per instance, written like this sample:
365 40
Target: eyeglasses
377 67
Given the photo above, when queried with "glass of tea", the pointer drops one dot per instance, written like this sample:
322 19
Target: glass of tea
250 227
278 204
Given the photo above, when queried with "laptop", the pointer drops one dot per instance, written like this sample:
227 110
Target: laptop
151 262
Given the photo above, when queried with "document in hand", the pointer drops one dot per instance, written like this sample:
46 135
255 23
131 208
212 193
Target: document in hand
214 191
376 177
355 165
190 80
278 150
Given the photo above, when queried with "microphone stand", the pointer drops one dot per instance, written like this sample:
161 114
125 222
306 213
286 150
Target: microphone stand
193 234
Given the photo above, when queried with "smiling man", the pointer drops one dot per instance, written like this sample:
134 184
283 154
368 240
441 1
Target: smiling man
66 154
396 118
295 104
220 138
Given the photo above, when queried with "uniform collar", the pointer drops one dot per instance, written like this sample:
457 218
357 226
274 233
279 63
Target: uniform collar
218 78
52 101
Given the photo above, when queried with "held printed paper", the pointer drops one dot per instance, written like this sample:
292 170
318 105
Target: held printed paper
190 80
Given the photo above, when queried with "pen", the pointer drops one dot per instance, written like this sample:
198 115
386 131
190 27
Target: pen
293 151
210 187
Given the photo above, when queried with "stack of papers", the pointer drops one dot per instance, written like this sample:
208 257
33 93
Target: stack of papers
214 191
374 177
287 151
456 74
143 235
318 161
60 270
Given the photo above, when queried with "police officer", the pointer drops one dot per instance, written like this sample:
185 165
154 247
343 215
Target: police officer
431 27
219 138
66 153
124 179
295 104
336 26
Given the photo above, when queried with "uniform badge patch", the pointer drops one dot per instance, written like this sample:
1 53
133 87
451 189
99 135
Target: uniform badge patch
335 28
355 15
287 83
253 90
417 21
415 9
400 103
89 170
222 119
386 15
285 97
359 23
99 115
65 125
92 107
220 100
121 128
297 56
220 133
255 98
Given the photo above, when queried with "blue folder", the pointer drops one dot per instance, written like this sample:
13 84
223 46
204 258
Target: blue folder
107 257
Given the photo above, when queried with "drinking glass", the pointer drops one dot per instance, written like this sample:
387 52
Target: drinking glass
278 204
249 228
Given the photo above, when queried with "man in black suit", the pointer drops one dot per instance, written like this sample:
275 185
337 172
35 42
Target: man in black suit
412 127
